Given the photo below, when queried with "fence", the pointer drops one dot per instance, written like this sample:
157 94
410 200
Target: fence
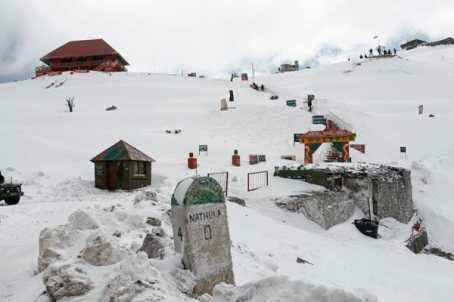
256 180
222 178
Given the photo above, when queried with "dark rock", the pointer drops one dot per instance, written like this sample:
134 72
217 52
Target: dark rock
111 108
66 281
303 261
418 242
438 252
152 246
237 200
158 231
154 221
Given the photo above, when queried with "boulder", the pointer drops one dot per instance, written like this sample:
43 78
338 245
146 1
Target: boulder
66 280
154 221
101 250
51 243
124 288
135 275
152 246
417 242
82 220
158 231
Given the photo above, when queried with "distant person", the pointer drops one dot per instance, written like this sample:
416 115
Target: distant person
309 104
371 52
262 87
231 78
2 178
231 98
395 51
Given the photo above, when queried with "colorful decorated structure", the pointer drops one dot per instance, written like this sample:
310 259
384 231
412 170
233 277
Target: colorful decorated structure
339 138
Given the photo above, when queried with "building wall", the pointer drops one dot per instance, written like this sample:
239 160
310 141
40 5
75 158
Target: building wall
130 180
135 181
89 63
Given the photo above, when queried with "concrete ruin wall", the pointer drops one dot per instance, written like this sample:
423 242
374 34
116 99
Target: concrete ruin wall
324 208
392 193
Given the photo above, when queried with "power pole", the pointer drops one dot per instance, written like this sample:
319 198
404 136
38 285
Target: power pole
253 72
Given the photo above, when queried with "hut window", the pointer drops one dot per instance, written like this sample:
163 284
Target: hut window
99 169
140 168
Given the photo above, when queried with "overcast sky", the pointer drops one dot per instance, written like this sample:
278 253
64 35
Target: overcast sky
214 36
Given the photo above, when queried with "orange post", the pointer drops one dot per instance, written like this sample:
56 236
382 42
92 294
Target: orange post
192 161
236 158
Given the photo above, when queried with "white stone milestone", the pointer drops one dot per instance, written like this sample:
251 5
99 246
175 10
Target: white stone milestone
201 232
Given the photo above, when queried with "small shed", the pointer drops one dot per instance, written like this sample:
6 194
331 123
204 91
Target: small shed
122 166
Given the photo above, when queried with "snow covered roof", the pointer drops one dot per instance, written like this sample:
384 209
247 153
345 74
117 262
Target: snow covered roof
122 151
83 48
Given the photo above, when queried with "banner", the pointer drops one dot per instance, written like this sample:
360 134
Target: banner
203 148
291 103
318 120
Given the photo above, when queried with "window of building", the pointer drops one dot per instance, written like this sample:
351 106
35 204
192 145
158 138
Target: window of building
140 168
99 169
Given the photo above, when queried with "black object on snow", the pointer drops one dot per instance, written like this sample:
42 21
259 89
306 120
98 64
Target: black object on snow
367 227
303 261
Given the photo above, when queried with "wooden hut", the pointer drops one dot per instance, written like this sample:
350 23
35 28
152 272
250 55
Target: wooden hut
82 55
122 166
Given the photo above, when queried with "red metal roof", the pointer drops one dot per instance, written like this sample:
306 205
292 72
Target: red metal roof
83 48
122 151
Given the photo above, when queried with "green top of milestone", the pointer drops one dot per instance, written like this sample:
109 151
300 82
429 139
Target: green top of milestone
197 191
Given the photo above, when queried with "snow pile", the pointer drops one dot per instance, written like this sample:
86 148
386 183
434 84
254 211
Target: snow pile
97 256
275 289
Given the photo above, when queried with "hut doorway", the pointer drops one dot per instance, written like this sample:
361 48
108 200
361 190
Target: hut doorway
112 179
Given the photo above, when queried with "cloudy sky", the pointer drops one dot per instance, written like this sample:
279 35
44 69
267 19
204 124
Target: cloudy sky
214 36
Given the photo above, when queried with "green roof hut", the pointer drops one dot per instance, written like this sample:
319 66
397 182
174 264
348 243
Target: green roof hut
122 166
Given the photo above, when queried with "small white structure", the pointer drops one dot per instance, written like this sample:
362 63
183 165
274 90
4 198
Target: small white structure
224 105
201 232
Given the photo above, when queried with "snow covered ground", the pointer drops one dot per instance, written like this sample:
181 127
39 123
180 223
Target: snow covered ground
48 150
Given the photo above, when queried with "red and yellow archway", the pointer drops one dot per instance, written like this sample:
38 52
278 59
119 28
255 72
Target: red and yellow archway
340 138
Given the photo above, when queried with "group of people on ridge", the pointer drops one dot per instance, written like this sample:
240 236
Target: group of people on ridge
381 50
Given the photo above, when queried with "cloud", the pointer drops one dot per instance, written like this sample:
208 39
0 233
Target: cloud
213 37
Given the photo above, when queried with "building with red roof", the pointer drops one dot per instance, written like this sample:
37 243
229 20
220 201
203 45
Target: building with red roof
84 55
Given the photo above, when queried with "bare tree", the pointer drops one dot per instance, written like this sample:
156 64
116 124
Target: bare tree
70 103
